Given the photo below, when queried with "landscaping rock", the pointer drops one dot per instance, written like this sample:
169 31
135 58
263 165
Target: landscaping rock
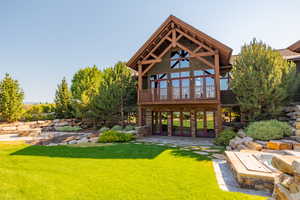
279 145
296 147
254 146
241 133
219 156
296 166
284 163
201 153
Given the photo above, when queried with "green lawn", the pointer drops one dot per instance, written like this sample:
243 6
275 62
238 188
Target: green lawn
109 172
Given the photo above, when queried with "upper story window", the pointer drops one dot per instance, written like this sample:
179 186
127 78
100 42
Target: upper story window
179 59
224 81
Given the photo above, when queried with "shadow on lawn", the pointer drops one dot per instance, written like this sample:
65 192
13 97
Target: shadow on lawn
114 151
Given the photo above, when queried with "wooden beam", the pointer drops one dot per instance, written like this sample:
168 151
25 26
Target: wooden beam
159 57
144 62
203 54
195 41
198 57
174 38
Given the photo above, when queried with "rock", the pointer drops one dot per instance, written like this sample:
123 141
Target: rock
201 152
241 133
228 148
296 138
254 146
235 142
281 193
284 163
83 140
263 143
52 144
211 150
296 166
297 132
68 139
219 156
72 142
278 145
241 147
93 140
296 147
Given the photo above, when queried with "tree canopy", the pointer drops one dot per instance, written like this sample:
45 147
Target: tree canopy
262 81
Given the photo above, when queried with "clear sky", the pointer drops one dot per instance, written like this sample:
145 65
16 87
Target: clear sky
43 41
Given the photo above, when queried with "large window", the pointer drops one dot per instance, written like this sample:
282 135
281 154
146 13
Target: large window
179 59
204 81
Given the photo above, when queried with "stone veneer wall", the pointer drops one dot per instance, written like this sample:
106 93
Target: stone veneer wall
292 115
34 128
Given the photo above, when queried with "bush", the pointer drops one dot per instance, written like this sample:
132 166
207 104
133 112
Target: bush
268 130
129 128
68 128
117 128
115 136
103 129
224 137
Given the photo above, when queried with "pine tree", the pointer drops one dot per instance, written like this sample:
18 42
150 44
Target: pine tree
262 81
63 97
117 95
11 99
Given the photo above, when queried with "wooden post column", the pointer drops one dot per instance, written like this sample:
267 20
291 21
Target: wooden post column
140 86
170 123
193 123
218 92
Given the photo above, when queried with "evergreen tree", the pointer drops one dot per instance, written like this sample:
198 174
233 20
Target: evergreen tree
11 99
117 96
63 107
262 81
85 85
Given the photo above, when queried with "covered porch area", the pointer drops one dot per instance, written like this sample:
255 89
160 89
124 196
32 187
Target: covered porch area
183 120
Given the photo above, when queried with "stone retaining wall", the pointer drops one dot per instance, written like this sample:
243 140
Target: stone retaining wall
34 128
292 115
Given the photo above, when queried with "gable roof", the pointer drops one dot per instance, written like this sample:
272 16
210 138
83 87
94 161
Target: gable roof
295 47
225 51
288 54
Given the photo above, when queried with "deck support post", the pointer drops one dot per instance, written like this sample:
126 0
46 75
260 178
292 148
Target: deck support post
193 123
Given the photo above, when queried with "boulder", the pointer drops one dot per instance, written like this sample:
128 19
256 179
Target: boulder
284 163
296 147
296 166
254 146
279 145
282 193
241 133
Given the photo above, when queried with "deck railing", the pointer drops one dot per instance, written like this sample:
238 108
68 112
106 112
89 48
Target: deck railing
177 94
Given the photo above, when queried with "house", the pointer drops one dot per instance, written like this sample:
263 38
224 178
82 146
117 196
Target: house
292 53
182 79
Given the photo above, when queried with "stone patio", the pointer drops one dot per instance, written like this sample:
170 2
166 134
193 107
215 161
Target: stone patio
178 141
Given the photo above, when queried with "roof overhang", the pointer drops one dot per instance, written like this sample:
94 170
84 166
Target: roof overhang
295 47
173 22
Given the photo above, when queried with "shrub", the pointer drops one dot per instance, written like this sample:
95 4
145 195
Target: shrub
268 130
117 128
115 136
224 137
129 128
68 128
103 129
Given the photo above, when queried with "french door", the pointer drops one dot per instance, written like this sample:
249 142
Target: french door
205 124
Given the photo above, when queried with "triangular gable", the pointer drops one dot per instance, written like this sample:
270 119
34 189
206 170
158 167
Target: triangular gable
169 35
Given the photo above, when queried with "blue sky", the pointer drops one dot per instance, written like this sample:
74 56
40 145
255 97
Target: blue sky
43 41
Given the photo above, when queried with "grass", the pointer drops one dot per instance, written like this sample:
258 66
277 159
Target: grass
108 172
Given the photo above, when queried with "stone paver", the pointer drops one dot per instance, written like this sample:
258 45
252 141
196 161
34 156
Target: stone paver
179 141
227 181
